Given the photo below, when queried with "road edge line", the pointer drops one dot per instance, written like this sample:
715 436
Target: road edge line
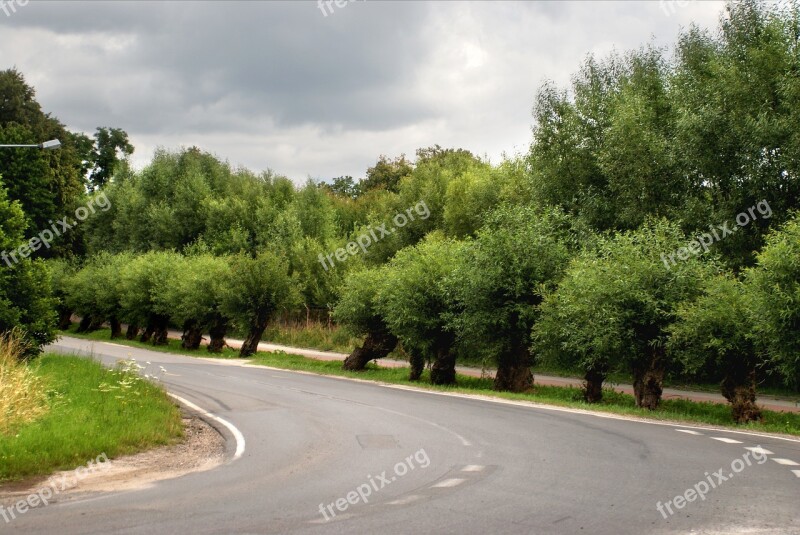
237 435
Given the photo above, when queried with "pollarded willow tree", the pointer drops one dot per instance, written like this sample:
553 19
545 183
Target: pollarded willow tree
416 303
259 287
717 329
357 311
195 299
612 310
500 280
774 285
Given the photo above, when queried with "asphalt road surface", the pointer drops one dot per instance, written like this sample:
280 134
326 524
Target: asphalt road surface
327 455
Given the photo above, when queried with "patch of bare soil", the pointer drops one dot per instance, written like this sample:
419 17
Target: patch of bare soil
202 448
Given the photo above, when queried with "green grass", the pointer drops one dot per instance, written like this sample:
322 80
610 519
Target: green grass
314 336
93 410
614 402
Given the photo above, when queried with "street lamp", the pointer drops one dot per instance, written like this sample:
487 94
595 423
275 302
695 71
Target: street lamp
47 145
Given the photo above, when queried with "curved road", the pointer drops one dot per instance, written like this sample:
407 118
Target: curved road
432 463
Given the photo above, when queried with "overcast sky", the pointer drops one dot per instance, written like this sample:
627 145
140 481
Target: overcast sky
281 85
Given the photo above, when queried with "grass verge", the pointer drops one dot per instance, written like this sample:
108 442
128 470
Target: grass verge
614 402
93 410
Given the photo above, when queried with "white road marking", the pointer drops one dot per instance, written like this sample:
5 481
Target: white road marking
407 499
688 431
760 451
232 428
473 468
796 472
448 483
726 440
785 462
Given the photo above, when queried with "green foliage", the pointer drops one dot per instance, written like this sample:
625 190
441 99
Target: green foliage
617 300
258 287
25 291
518 255
357 309
775 287
143 284
716 328
414 299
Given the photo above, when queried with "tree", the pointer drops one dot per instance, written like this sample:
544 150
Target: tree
111 146
416 302
613 309
358 312
259 287
499 283
25 299
47 184
718 327
196 299
142 286
775 288
386 174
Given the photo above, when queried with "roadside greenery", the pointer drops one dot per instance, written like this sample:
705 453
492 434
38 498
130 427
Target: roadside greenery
90 410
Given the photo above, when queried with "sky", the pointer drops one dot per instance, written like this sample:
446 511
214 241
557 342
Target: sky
318 90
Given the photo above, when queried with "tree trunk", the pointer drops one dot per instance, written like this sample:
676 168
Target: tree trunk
132 332
192 336
443 371
514 370
376 346
250 346
65 319
157 330
83 326
217 334
147 334
739 388
593 386
648 380
116 327
417 361
96 324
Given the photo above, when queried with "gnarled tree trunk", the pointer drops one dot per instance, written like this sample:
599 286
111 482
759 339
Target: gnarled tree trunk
376 346
192 336
593 385
65 319
132 332
443 371
648 381
83 326
250 345
417 361
217 334
739 388
514 370
116 327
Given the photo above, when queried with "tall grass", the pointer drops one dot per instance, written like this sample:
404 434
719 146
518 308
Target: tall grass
23 395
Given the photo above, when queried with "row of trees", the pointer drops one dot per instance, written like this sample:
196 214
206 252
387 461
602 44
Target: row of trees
152 291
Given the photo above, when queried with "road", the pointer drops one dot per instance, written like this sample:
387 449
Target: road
432 463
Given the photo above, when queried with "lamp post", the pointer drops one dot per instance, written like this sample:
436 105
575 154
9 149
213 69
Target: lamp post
47 145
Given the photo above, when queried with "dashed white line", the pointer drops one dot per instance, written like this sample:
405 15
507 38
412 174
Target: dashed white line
796 472
237 435
726 440
759 450
407 499
449 483
473 468
785 462
688 431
